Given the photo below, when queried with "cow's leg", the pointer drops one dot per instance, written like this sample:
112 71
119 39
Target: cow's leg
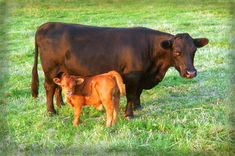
137 105
131 92
77 113
129 107
50 91
58 95
131 81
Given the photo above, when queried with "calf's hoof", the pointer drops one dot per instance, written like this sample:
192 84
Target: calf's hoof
100 107
109 125
75 123
138 107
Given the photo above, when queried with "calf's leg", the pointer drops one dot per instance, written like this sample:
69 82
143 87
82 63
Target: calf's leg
109 107
77 113
116 100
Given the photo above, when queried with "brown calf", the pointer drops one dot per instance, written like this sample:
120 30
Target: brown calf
98 91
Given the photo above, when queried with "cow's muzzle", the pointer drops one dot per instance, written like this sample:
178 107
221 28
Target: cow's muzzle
190 74
186 72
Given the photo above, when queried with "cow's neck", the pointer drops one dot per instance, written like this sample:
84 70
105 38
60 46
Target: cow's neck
161 58
154 74
160 68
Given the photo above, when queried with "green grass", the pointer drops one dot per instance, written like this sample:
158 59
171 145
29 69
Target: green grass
179 116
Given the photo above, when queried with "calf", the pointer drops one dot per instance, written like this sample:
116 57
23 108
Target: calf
98 91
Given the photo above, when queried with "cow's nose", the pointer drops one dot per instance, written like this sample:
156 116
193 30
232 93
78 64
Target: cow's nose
191 74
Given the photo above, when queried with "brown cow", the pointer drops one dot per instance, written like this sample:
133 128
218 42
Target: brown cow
103 89
141 55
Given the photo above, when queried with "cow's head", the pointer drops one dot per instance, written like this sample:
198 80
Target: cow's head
183 48
68 83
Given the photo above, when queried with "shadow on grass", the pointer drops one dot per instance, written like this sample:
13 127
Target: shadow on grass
25 92
187 93
181 94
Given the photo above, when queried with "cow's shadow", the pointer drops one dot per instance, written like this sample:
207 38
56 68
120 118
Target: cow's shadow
173 89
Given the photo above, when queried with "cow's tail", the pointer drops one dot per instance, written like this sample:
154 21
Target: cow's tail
121 85
35 81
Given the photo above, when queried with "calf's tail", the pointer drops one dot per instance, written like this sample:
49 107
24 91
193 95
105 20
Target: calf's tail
121 85
35 81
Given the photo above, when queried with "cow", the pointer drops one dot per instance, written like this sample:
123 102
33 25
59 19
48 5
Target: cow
97 91
141 55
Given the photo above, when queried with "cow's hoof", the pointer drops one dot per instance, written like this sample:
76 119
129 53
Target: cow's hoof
59 105
52 113
62 103
129 117
138 107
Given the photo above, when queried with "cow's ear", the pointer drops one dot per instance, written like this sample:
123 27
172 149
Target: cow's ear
57 81
200 42
166 44
79 80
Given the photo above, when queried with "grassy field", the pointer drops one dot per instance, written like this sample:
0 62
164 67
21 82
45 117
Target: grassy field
179 115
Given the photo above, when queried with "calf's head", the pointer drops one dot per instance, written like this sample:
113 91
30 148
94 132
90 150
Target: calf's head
68 83
183 48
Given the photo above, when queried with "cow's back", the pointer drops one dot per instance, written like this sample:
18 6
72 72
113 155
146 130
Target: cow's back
87 50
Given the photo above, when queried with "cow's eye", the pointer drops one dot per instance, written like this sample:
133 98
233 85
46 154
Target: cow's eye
177 53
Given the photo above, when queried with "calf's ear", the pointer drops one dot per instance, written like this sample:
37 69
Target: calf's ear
200 42
166 44
57 81
79 81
